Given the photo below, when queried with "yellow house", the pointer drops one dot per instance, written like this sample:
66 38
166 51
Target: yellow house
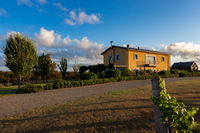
136 58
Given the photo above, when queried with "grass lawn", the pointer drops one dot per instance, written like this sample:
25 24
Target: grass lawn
119 111
8 90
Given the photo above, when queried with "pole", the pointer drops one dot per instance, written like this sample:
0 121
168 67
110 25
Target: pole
160 127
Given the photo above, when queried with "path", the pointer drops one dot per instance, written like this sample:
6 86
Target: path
14 104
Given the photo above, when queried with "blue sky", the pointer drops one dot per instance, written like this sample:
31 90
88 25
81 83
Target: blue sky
89 25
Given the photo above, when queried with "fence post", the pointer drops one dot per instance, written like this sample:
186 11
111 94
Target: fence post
160 127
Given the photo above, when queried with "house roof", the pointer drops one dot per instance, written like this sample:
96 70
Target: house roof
135 49
183 64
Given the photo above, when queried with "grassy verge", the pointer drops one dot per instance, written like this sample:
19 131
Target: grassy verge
8 90
118 111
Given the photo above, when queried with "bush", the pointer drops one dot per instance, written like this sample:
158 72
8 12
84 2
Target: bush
185 74
58 84
127 72
88 75
48 86
165 74
31 88
112 73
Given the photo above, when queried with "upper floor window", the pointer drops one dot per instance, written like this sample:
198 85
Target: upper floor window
163 59
136 56
117 57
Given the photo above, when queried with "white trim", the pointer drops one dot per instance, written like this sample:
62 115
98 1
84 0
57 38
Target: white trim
151 56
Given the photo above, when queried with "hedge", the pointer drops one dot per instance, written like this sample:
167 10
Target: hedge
57 84
35 88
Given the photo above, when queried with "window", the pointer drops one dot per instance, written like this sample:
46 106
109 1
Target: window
110 59
117 57
150 59
163 59
135 56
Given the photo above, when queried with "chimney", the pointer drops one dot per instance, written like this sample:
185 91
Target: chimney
127 45
138 48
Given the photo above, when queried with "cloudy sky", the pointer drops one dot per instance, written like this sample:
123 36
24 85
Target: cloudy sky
81 29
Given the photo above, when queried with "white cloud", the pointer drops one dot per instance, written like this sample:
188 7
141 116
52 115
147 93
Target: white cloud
183 51
80 17
25 2
83 50
42 2
60 6
45 37
3 12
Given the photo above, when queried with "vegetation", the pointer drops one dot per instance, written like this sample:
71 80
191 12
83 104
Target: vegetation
20 55
118 111
76 67
45 67
175 115
88 75
112 73
127 72
63 67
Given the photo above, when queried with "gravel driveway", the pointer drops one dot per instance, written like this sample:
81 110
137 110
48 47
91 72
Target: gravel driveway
14 104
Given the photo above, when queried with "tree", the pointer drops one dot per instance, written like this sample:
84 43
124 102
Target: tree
76 67
20 55
63 67
45 66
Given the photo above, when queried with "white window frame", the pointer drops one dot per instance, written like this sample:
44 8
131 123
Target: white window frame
150 56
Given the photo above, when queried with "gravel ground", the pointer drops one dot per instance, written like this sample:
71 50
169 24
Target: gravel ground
14 104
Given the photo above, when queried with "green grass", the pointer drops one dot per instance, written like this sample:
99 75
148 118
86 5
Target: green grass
8 90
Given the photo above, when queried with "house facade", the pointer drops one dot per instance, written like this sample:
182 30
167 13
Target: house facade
136 58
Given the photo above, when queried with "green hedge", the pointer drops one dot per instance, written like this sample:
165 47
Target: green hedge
67 84
88 75
30 88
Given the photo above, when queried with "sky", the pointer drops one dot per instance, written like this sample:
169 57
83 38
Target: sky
81 29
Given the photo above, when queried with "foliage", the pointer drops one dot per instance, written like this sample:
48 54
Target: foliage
31 88
127 72
45 66
174 114
63 67
97 69
88 75
76 67
20 55
165 74
112 73
58 84
83 69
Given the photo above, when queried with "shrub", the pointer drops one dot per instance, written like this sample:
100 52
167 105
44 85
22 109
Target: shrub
165 74
112 73
127 72
185 74
31 88
88 75
175 115
48 86
195 73
58 84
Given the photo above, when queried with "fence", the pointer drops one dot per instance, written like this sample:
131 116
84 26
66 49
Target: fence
160 127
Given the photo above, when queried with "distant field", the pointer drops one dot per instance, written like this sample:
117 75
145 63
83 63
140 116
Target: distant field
119 111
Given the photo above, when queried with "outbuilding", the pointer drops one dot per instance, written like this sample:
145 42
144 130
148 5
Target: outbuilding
189 66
